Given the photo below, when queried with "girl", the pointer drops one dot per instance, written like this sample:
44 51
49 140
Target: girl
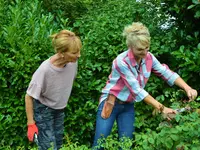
125 86
49 91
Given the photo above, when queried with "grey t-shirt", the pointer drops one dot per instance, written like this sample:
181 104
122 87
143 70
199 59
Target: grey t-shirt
51 85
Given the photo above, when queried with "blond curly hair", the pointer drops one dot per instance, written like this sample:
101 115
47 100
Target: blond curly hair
66 41
137 35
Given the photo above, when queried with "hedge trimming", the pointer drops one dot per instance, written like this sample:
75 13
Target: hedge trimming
24 44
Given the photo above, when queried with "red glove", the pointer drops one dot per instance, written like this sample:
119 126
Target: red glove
32 129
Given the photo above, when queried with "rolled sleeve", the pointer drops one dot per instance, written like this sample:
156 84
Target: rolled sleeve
172 79
141 95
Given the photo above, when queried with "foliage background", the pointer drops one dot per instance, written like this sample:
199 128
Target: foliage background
24 44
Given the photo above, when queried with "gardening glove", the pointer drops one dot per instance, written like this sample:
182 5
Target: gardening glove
108 107
32 129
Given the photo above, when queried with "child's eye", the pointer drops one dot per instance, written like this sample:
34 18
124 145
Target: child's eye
141 49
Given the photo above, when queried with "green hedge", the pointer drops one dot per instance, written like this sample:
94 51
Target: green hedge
24 44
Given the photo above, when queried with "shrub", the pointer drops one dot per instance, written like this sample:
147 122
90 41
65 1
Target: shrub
24 44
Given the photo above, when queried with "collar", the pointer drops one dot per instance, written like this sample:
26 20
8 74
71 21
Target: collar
132 58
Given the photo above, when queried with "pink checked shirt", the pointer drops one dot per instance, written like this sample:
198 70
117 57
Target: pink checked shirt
127 80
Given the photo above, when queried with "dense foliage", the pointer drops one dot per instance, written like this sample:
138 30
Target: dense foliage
24 44
185 16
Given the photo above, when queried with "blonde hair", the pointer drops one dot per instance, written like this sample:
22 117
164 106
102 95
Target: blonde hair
137 35
66 41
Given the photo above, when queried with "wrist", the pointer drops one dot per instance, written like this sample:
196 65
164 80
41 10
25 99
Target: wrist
30 122
161 108
187 88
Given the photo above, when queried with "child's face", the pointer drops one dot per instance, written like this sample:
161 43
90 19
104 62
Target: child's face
140 52
72 56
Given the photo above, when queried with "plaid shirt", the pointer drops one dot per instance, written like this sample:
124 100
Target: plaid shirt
128 79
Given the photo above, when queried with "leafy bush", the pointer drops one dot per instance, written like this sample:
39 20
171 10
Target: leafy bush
68 8
181 133
24 44
185 32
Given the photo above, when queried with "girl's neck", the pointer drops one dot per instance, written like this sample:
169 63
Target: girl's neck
138 60
58 60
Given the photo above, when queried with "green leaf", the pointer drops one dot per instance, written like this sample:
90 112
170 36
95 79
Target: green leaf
173 130
138 137
198 98
197 14
195 1
198 46
191 6
151 140
182 47
168 143
174 137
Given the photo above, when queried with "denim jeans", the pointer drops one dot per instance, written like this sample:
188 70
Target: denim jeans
124 114
50 123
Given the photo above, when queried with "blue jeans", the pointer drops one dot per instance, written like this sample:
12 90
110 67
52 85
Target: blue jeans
50 123
124 114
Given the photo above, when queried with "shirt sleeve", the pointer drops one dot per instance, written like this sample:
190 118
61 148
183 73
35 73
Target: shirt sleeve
163 71
36 85
130 80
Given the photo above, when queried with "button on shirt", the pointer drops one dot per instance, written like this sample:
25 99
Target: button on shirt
128 79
